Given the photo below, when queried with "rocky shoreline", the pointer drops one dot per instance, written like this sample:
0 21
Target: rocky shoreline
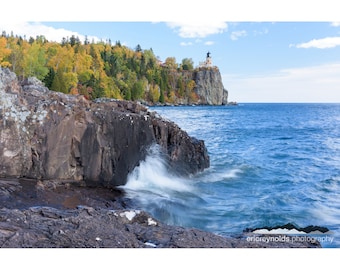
54 214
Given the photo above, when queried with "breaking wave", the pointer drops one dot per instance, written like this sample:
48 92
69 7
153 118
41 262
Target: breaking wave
152 175
168 197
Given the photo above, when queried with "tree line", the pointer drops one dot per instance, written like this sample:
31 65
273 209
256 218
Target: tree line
100 69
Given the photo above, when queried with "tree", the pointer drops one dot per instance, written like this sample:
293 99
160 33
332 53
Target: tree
74 40
137 90
34 62
180 86
170 63
187 64
48 80
154 93
16 56
82 65
191 95
4 52
161 96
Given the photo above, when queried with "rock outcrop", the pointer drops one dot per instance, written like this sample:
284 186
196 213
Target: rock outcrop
86 227
209 87
50 135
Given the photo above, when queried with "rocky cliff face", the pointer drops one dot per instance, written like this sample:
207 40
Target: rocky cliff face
50 135
209 87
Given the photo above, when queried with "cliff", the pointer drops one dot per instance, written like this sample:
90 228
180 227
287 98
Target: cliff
209 86
50 135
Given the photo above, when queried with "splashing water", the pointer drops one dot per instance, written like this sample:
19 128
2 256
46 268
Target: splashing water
152 175
168 197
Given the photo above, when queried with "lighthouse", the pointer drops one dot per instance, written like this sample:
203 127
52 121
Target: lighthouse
207 62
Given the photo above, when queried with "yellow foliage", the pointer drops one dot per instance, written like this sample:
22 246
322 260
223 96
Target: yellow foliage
4 52
171 97
74 91
154 93
191 85
5 64
70 80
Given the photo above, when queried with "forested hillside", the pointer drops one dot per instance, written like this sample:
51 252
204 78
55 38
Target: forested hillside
99 69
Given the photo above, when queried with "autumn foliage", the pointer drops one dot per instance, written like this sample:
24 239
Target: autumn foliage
99 69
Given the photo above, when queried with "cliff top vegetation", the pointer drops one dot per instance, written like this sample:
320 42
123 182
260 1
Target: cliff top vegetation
99 69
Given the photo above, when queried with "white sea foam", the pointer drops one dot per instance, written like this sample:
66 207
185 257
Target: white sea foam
152 175
230 174
222 176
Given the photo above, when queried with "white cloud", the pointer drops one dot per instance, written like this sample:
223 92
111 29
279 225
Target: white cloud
29 29
323 43
235 35
335 24
308 84
261 32
186 44
209 43
198 29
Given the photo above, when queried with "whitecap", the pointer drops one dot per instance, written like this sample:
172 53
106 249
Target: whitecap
229 174
153 175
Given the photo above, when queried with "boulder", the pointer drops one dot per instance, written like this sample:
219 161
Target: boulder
51 135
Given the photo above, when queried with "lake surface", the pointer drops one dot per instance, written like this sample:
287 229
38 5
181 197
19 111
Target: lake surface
271 164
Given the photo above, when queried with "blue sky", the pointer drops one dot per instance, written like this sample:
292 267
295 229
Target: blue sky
259 60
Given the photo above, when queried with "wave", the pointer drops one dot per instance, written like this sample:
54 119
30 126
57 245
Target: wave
170 198
210 176
152 175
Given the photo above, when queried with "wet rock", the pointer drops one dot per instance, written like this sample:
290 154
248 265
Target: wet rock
86 227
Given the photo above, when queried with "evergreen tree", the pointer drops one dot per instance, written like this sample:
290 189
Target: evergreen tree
48 80
161 97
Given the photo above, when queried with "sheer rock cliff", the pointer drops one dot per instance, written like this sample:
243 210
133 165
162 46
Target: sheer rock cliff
209 87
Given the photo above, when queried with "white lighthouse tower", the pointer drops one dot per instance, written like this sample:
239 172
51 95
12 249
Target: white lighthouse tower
207 62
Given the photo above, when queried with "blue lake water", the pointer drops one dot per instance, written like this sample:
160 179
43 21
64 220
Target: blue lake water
271 164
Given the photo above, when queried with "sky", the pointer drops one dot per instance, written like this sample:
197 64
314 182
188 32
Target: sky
262 57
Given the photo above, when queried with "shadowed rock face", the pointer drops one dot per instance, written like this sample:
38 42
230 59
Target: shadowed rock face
50 135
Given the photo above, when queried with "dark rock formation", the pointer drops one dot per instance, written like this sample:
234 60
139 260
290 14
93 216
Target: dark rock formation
86 227
311 229
209 87
50 135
